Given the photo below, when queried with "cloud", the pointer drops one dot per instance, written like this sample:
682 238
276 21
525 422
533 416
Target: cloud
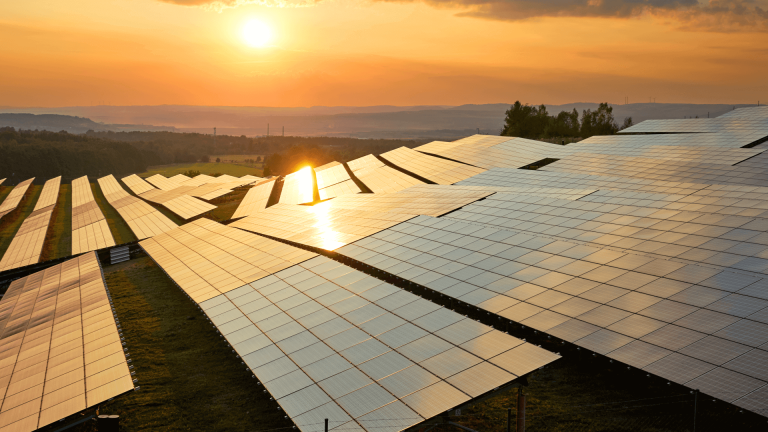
712 15
220 5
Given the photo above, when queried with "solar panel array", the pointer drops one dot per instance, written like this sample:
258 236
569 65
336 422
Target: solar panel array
90 230
691 325
347 218
142 218
507 152
62 350
255 199
329 342
658 169
27 244
176 200
14 198
436 170
378 177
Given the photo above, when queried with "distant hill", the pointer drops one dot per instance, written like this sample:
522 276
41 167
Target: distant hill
71 124
381 121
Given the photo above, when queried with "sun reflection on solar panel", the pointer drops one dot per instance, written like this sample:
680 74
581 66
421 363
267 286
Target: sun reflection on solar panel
329 237
306 184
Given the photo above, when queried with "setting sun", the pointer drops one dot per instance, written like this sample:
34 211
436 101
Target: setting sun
256 33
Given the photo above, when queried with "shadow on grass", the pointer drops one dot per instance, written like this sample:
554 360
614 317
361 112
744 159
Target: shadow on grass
10 223
58 238
120 229
190 380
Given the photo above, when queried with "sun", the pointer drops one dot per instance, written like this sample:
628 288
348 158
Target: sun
256 33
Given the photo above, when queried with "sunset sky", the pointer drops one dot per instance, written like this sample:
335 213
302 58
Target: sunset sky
359 52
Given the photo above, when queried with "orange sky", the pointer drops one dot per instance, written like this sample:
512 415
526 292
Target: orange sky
349 52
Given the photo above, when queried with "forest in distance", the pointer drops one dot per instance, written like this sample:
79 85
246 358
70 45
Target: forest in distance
44 154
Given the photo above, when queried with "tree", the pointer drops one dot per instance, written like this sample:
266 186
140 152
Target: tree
218 160
598 122
205 158
258 158
627 123
525 121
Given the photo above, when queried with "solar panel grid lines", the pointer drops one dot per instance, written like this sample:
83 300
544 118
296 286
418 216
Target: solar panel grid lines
137 184
50 194
142 218
27 244
656 169
347 218
164 183
330 174
506 177
628 307
13 199
177 199
661 225
255 199
562 193
754 126
330 342
344 188
206 258
437 170
90 230
367 162
747 113
384 179
62 349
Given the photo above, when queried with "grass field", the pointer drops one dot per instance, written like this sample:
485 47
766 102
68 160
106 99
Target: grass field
120 230
190 380
238 159
11 222
4 191
204 168
227 204
58 238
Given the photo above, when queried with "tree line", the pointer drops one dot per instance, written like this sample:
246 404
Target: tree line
533 122
44 155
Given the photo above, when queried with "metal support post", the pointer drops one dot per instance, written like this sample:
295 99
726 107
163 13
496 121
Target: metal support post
326 425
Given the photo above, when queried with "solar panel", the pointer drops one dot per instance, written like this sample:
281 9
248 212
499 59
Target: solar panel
27 244
628 307
14 198
62 351
299 187
142 218
347 218
329 342
255 199
437 170
178 200
90 230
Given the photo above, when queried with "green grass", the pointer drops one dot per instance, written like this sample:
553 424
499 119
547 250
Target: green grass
11 222
58 238
4 191
204 168
189 378
120 229
227 204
